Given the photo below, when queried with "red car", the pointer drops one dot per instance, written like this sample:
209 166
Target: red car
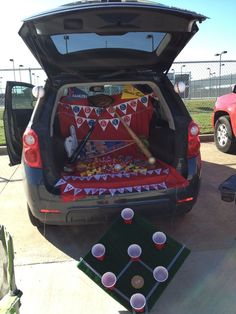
224 122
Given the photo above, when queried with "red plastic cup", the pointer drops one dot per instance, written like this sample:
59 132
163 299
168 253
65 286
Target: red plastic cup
98 251
138 302
134 252
160 274
127 214
159 239
109 280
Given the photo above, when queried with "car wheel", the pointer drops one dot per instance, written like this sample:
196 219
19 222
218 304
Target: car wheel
35 222
224 138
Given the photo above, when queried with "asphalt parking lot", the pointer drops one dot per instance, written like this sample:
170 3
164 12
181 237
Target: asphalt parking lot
46 259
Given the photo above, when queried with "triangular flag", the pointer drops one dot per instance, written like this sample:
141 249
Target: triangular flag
68 188
103 123
94 191
138 188
97 177
150 171
133 104
121 190
79 121
91 122
143 171
77 191
127 119
98 111
87 191
111 111
60 182
146 187
74 178
76 109
144 100
67 177
88 178
123 107
115 122
166 171
104 177
155 186
119 175
158 171
87 110
112 191
101 191
129 188
162 185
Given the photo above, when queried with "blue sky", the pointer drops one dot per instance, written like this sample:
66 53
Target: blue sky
215 34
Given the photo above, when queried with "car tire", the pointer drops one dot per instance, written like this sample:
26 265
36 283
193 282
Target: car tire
223 135
35 222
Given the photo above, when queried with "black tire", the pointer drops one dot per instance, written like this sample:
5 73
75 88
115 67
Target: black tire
35 222
223 135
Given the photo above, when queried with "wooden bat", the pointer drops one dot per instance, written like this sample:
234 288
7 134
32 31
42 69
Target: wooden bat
140 144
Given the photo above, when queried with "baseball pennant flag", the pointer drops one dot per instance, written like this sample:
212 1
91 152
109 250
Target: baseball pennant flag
123 107
121 190
68 188
146 187
133 104
79 121
115 123
162 185
103 123
98 111
87 110
144 100
154 186
112 191
166 171
104 177
87 191
94 191
158 171
129 189
91 122
101 191
97 177
111 111
127 119
77 191
138 188
76 109
60 182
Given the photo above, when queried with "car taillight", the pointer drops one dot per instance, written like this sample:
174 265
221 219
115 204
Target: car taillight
31 149
193 140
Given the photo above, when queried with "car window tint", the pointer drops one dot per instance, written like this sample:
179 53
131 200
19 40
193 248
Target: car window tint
22 98
144 41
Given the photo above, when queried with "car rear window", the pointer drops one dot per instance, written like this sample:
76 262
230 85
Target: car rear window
144 41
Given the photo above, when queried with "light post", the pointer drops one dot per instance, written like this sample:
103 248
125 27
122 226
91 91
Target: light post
220 55
173 71
13 64
33 78
20 66
37 79
181 70
1 84
150 36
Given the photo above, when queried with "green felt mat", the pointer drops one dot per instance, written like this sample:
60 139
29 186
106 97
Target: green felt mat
116 240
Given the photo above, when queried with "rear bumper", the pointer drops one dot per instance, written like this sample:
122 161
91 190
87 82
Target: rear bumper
97 209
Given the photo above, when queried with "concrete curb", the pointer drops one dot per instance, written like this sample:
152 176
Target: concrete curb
203 138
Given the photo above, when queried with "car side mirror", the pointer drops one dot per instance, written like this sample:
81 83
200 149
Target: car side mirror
234 89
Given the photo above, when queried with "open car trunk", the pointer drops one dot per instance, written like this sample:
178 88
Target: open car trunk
110 161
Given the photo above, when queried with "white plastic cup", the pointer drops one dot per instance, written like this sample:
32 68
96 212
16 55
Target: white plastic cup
160 274
159 239
134 252
98 251
138 302
109 280
127 214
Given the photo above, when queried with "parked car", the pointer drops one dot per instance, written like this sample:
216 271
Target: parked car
224 122
107 65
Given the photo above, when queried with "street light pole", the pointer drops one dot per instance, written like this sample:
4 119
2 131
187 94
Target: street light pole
181 70
209 69
150 36
220 55
13 64
20 66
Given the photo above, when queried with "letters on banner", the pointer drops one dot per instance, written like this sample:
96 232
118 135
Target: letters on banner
111 110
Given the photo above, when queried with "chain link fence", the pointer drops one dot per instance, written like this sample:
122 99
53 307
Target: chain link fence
204 80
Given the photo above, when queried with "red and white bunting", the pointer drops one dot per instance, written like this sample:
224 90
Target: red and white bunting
144 100
79 121
121 190
146 187
111 111
123 107
68 188
87 110
133 104
60 182
138 188
115 122
162 185
127 119
103 123
112 191
101 191
77 191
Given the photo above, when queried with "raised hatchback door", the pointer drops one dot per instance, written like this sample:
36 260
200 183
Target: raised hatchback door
100 37
19 105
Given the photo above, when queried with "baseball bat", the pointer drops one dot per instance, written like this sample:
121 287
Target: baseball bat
139 143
